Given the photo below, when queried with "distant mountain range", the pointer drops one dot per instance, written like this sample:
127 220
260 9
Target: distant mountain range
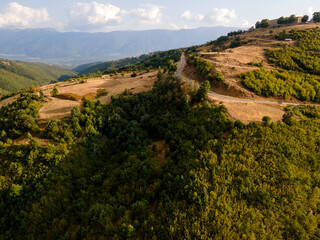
75 48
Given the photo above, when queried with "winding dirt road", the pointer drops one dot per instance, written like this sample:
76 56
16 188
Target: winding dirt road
224 97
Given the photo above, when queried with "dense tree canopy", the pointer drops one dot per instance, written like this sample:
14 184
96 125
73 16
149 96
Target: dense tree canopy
263 24
154 166
316 17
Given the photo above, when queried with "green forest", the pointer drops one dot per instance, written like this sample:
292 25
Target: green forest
158 165
17 75
300 68
281 83
164 59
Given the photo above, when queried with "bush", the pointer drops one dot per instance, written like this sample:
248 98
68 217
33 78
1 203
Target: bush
305 19
217 77
54 92
203 91
263 24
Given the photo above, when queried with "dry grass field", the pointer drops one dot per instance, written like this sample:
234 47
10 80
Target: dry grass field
233 62
71 93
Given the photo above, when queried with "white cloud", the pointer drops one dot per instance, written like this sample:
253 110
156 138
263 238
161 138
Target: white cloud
224 17
188 16
310 11
246 24
221 16
148 14
174 26
186 27
94 15
15 15
106 17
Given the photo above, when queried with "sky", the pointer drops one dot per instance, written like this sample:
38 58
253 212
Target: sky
115 15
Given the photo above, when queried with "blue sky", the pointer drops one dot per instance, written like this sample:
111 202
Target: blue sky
111 15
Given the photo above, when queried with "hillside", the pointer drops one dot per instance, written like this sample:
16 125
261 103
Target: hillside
145 61
250 51
137 153
17 75
75 48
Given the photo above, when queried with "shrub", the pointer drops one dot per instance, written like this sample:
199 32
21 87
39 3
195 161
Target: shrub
54 92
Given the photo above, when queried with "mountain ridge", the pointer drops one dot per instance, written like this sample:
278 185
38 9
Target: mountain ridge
75 48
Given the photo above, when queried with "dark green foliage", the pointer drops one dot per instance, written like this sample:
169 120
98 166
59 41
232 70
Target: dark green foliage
304 56
316 17
216 77
283 84
144 62
235 33
302 60
159 74
16 75
288 20
20 116
219 44
202 66
54 92
41 94
133 74
222 39
52 129
266 120
211 179
263 24
108 66
203 90
260 64
305 18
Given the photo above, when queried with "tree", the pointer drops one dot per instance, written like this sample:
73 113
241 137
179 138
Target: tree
172 66
52 129
54 92
265 23
316 17
41 94
292 19
305 18
203 90
159 74
266 120
281 20
258 24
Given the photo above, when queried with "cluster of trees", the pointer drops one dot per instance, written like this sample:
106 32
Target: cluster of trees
203 67
263 24
223 42
154 165
235 33
19 117
143 62
283 84
290 20
166 60
316 17
302 57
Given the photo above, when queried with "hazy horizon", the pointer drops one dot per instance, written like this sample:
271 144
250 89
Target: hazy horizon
118 15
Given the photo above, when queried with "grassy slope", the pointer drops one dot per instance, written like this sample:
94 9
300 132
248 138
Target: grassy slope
16 75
